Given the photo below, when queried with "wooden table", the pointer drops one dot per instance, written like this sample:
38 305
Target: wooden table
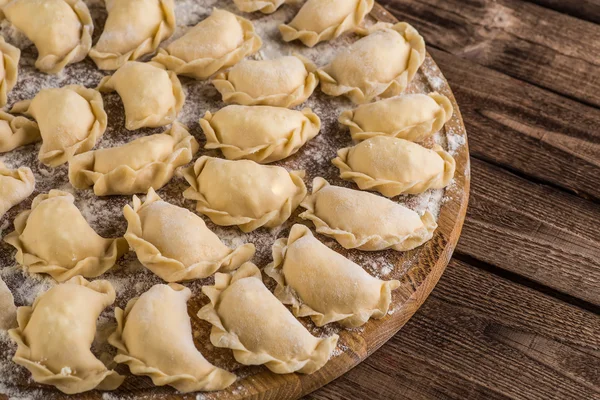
516 314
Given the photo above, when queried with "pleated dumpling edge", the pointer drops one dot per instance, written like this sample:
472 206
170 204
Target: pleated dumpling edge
297 350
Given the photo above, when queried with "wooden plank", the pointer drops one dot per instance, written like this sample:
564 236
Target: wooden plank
535 231
524 128
524 40
588 10
479 336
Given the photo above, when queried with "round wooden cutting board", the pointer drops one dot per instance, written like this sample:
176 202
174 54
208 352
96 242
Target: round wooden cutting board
418 270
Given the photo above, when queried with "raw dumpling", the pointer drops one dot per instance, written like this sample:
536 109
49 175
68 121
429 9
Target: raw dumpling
9 69
154 338
214 44
393 166
244 193
380 64
264 6
175 243
324 285
249 320
147 162
16 132
54 238
152 97
282 82
60 29
8 310
15 186
269 133
413 117
320 20
133 28
71 119
364 220
55 335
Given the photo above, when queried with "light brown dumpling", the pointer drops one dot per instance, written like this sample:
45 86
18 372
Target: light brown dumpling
365 221
264 6
281 82
60 29
154 338
152 97
16 132
249 320
55 335
8 315
214 44
270 133
133 28
413 117
320 20
71 120
244 193
9 69
15 186
176 244
324 285
394 166
54 238
135 167
380 64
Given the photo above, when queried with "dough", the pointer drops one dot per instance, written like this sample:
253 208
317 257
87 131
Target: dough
249 320
264 6
133 28
9 69
8 310
364 220
71 120
154 338
54 238
282 82
320 20
16 132
55 335
320 283
152 97
270 133
393 166
244 193
413 117
15 186
135 167
175 243
60 29
380 64
214 44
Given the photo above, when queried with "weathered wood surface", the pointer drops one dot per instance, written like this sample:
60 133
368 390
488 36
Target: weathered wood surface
479 336
527 86
535 231
526 129
521 126
524 40
588 10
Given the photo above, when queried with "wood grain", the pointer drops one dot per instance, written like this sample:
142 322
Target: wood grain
535 231
524 40
526 129
479 336
588 10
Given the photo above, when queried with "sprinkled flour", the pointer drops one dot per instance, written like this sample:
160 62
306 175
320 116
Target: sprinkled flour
129 277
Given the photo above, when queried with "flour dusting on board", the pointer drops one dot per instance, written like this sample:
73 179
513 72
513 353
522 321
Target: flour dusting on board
129 277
